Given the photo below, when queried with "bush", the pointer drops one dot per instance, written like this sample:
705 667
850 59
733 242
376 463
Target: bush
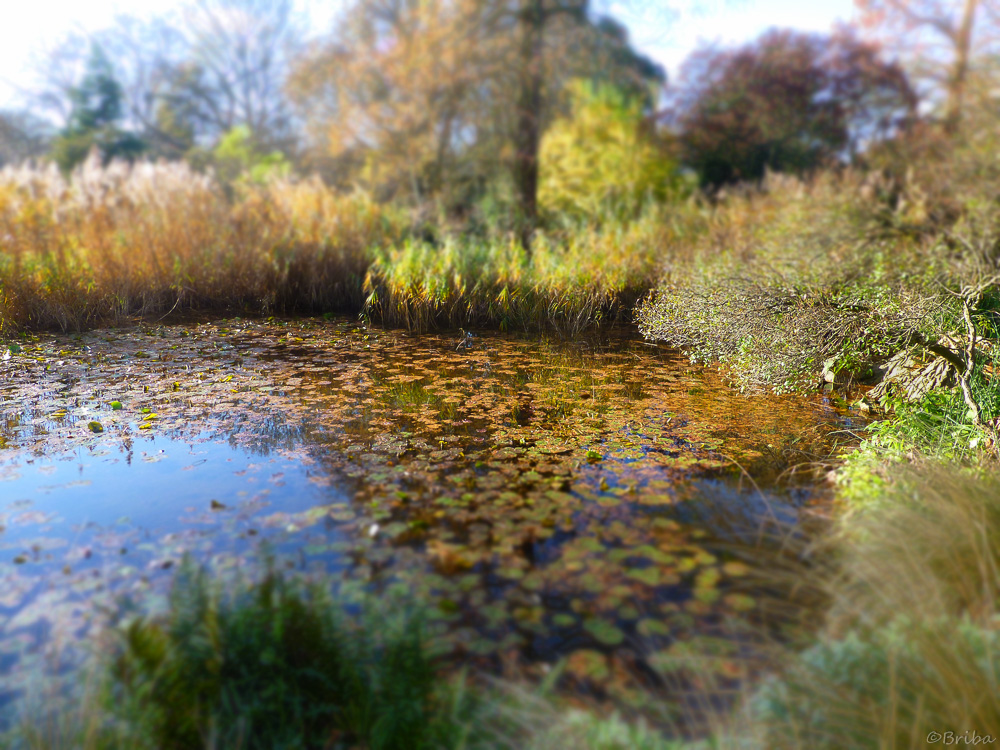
278 664
778 334
275 664
603 158
887 688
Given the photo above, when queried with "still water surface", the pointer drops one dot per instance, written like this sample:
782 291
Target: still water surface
541 497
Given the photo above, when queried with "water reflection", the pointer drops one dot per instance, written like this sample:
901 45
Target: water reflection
542 497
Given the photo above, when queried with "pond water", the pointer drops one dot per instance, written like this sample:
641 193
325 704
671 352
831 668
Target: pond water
542 497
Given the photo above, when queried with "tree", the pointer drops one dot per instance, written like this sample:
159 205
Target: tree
787 102
186 80
237 59
394 90
148 54
96 110
442 98
534 17
939 40
237 157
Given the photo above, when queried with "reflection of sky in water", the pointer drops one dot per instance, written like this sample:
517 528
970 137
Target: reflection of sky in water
741 504
80 528
150 489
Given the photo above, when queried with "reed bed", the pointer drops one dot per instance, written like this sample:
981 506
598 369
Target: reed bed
109 243
585 276
106 244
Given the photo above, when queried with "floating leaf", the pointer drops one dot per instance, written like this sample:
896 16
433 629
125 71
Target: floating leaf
735 569
604 631
489 481
650 627
739 602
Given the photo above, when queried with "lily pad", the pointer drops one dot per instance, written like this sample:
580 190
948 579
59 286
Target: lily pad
604 632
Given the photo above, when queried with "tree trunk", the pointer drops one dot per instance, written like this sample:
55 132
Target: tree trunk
528 133
956 81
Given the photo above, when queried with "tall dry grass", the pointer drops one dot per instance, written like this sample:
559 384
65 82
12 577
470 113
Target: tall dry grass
108 243
909 649
145 239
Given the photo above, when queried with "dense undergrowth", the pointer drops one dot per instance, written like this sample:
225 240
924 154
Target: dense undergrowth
800 277
888 278
111 243
891 278
278 663
911 645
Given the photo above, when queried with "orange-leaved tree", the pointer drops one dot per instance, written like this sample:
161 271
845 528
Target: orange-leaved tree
439 99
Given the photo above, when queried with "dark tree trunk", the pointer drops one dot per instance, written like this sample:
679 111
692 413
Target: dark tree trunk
529 105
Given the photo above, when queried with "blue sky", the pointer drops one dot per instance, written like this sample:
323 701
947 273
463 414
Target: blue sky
666 30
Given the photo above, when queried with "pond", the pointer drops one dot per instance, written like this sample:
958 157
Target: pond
595 498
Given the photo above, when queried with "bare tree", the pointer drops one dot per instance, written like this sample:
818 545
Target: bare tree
147 57
239 52
57 70
940 41
189 78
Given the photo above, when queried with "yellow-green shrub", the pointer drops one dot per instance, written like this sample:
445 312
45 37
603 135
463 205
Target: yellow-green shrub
604 156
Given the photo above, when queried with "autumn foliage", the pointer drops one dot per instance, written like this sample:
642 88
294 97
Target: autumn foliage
788 102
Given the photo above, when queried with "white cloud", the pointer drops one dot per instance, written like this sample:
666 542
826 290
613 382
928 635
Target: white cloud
668 31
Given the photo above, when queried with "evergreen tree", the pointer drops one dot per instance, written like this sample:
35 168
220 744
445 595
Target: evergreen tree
94 118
